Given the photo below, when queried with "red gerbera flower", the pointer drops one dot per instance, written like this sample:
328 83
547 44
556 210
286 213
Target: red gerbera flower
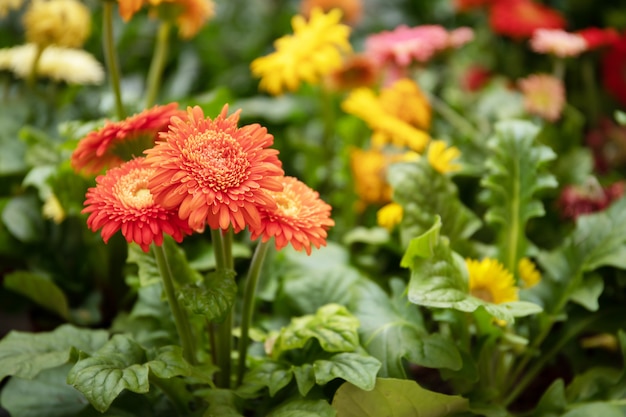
121 200
520 18
597 38
117 142
614 70
214 172
300 217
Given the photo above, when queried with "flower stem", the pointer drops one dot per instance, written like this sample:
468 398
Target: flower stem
32 76
158 62
455 119
180 316
223 331
111 57
248 305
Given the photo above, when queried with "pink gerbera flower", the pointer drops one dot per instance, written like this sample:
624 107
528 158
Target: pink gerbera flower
544 95
557 42
300 217
214 172
122 201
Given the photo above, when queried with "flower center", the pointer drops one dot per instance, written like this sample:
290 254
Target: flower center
482 293
132 189
287 204
217 160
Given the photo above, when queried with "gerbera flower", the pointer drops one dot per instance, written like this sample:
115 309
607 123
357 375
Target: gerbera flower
590 197
351 10
357 70
388 128
313 51
7 5
406 101
440 157
475 78
215 172
389 216
189 15
614 70
73 66
490 281
64 23
597 38
121 200
117 142
528 273
299 217
544 95
557 42
520 18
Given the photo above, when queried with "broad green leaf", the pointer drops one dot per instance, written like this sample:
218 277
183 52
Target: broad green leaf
303 408
22 218
46 395
122 364
332 326
26 354
422 246
269 373
39 289
516 174
440 281
588 292
212 299
358 369
392 330
598 240
395 397
148 271
305 378
553 401
425 193
222 403
595 409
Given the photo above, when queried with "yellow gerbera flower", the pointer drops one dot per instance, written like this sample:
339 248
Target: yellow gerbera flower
65 23
528 273
388 127
490 281
390 215
314 50
440 156
405 100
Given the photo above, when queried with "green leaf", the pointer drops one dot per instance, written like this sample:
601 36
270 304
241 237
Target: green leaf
39 289
392 330
212 299
303 408
121 364
360 370
222 403
45 395
305 378
588 292
422 246
269 373
148 270
440 281
425 193
22 218
553 401
516 174
395 397
332 326
26 354
595 409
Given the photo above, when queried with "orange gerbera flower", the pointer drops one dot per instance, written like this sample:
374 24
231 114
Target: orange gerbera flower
117 142
121 200
300 217
520 18
214 172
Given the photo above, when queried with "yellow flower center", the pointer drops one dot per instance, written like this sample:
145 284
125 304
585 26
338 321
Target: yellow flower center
287 203
218 159
132 189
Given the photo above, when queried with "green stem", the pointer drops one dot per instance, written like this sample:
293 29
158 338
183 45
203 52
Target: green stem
589 81
223 331
248 305
158 62
455 119
111 57
180 316
32 76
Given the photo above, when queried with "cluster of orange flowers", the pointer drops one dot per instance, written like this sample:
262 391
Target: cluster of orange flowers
196 171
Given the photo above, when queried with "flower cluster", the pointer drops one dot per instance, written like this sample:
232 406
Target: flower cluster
200 172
